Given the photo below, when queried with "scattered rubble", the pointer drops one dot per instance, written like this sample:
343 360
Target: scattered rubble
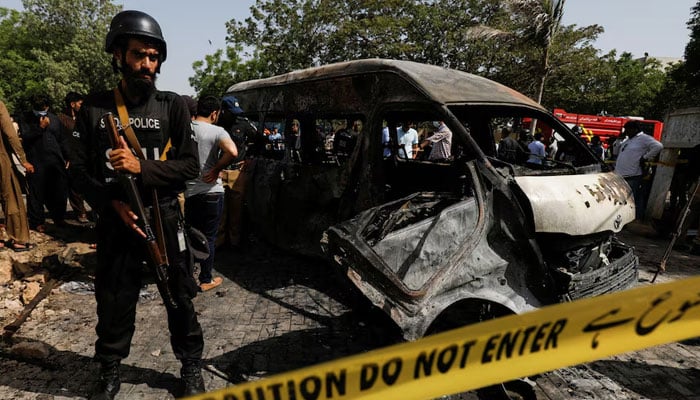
23 275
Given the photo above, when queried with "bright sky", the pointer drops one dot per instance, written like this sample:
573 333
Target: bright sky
657 27
636 26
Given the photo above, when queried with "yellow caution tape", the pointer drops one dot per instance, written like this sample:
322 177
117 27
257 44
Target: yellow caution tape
495 351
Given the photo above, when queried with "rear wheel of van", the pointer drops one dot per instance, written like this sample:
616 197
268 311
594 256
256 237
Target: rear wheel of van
471 312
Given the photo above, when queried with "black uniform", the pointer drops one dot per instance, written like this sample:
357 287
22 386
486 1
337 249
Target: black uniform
121 252
241 131
48 185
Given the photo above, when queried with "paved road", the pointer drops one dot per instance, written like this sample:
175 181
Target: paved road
275 313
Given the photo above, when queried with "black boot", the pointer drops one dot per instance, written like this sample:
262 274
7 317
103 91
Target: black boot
191 374
109 382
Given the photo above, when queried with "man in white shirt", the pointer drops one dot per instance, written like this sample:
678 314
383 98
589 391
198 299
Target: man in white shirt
635 151
408 140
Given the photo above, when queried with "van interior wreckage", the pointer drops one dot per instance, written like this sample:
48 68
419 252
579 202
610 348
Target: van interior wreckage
434 244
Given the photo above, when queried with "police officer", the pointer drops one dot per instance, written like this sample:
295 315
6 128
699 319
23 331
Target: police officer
138 50
238 127
232 229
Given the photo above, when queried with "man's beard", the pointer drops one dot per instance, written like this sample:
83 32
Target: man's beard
137 84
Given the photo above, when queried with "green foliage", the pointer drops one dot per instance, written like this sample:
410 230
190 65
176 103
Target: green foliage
678 92
214 75
692 49
529 29
633 85
578 78
520 43
442 36
50 47
285 35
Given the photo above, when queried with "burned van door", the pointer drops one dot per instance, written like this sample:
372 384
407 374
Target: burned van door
403 247
308 200
294 197
262 194
292 203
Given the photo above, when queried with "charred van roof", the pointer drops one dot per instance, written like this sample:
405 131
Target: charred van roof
443 85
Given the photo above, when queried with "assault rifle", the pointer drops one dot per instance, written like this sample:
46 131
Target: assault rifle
155 244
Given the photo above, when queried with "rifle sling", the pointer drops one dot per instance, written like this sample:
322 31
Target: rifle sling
134 143
129 131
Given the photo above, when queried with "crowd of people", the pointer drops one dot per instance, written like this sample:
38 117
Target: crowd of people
632 153
431 141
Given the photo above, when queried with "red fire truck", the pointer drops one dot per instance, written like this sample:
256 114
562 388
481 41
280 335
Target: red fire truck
605 126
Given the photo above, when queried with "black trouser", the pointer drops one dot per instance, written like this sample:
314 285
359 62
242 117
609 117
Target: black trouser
47 185
118 280
77 203
203 212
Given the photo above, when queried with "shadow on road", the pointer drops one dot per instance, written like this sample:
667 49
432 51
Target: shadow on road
349 334
68 374
649 380
357 327
263 270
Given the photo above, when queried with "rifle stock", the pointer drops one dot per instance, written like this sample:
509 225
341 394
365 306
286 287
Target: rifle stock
154 245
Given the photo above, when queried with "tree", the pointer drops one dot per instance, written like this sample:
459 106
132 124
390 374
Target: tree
534 24
52 48
285 35
676 92
577 80
214 75
633 85
282 34
530 46
541 21
16 68
692 49
441 35
291 34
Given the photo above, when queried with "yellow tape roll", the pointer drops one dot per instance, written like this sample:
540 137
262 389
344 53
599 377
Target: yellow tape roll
495 351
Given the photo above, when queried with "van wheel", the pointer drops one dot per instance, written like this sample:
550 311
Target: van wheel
470 313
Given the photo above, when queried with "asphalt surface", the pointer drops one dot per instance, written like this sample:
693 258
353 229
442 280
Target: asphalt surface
276 312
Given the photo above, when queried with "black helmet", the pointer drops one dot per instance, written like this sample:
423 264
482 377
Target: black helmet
137 23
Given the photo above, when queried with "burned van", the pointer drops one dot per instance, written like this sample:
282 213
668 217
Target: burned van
392 170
